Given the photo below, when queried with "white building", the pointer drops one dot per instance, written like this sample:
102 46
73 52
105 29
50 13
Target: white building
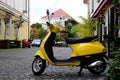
18 5
107 13
58 17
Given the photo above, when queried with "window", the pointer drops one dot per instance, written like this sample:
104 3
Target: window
8 27
8 2
92 6
16 4
15 29
0 26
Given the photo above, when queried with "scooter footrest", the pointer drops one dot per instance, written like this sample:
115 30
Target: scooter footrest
66 62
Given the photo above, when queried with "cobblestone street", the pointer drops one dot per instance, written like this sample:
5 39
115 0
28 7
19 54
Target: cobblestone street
15 64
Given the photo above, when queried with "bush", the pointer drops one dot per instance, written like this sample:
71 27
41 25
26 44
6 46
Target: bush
117 43
114 70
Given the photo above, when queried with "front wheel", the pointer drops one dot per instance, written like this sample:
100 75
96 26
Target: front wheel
98 69
38 66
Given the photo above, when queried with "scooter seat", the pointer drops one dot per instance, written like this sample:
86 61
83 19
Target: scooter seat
80 40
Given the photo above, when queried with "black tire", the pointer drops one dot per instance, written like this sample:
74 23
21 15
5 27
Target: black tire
23 46
98 69
38 66
29 46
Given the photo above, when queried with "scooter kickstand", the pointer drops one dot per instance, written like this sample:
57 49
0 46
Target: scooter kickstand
79 73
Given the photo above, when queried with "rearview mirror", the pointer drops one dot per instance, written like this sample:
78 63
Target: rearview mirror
47 11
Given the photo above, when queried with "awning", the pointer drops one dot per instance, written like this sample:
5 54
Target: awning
99 8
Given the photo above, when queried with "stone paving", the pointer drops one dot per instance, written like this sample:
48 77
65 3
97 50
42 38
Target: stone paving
15 64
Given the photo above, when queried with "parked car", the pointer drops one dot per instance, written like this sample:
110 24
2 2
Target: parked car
30 40
60 44
36 42
25 43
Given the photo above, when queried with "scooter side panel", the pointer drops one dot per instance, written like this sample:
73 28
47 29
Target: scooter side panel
77 63
81 49
39 53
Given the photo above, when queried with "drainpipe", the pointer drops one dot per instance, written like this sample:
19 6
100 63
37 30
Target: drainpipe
100 30
28 18
27 11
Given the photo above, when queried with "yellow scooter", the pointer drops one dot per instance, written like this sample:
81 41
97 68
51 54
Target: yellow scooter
87 53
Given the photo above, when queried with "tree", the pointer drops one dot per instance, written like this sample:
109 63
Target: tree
36 25
72 21
42 32
69 23
34 33
37 31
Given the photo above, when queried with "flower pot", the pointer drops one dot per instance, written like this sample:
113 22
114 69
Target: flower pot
4 44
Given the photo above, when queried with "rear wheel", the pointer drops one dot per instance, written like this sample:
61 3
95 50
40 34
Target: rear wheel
23 46
98 69
38 66
29 46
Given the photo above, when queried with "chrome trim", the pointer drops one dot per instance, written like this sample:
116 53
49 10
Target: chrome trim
95 64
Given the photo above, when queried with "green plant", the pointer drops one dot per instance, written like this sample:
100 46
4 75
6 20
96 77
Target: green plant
79 31
57 38
114 70
89 24
117 43
114 1
16 39
107 37
85 28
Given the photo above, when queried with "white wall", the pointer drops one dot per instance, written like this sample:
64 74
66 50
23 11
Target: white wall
55 20
93 5
20 5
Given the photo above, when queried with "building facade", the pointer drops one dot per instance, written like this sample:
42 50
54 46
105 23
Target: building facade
14 19
107 13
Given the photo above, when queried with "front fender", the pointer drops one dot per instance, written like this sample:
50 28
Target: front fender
40 54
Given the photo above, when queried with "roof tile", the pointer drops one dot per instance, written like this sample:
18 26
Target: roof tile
58 13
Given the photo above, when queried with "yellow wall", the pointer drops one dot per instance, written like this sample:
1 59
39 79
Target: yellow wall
23 30
2 13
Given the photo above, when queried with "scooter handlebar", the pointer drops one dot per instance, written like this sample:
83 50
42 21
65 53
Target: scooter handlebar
48 24
62 30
